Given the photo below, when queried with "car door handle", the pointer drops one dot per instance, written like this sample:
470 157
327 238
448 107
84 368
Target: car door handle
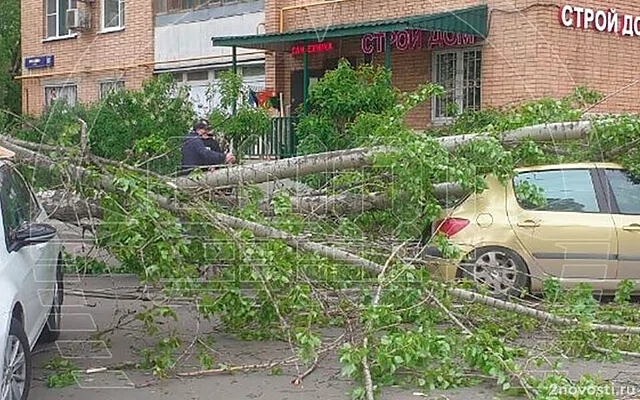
632 227
529 223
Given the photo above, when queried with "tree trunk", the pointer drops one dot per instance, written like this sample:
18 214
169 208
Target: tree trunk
72 207
357 158
339 160
338 205
540 133
280 169
67 206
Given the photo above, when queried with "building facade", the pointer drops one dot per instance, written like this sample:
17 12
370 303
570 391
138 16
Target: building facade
80 50
484 53
182 33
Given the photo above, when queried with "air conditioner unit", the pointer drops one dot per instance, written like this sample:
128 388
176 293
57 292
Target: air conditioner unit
77 19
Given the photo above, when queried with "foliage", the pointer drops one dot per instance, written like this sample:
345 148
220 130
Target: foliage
545 110
161 358
235 119
559 387
64 372
337 100
264 289
10 61
88 265
127 125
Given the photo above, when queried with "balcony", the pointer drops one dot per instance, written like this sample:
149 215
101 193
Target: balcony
178 6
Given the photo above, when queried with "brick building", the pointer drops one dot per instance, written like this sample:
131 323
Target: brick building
82 55
485 53
79 50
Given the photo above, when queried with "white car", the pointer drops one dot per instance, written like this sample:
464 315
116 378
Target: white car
31 280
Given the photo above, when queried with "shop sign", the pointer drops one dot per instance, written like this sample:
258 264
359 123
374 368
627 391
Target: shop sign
414 39
38 62
600 20
323 47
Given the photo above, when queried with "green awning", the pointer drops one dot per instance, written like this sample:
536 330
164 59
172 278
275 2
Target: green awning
472 21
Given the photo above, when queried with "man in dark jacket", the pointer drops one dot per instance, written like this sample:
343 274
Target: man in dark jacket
200 150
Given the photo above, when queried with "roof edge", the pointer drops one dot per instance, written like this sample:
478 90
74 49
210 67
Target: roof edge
470 20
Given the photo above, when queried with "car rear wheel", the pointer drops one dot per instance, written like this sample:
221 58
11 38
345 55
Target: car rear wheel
502 271
51 331
16 377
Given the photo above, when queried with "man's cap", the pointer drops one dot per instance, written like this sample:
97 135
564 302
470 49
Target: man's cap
202 124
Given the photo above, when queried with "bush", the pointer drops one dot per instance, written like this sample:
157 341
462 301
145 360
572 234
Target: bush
337 100
243 124
136 126
128 125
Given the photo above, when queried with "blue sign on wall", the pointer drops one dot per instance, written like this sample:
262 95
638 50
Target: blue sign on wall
38 62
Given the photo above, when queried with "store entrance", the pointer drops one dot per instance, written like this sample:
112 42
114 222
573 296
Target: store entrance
297 87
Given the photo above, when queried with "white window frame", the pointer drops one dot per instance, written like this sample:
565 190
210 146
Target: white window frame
112 82
71 4
121 18
60 86
459 80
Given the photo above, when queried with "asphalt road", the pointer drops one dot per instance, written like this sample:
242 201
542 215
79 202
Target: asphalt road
85 315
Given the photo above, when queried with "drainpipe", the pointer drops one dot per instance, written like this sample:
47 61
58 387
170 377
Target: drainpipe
305 62
234 63
387 53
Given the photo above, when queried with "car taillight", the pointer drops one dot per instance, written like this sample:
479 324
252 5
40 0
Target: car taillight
451 226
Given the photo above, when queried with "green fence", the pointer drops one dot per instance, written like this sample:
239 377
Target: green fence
279 143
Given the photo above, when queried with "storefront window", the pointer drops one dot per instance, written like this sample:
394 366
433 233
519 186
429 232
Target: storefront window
459 73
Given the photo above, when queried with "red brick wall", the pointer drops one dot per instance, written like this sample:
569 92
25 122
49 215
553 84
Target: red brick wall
570 57
91 56
527 55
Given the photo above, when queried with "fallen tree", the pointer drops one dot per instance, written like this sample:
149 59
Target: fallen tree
302 243
336 160
333 253
286 276
301 166
362 157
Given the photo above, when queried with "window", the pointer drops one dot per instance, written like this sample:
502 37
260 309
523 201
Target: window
57 17
253 71
112 14
198 76
626 190
563 190
68 93
18 204
459 73
108 87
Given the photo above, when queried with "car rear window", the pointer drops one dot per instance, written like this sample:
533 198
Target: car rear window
558 190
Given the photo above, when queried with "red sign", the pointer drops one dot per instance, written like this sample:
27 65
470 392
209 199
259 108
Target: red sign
414 39
312 48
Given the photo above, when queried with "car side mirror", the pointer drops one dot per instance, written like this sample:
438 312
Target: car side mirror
30 235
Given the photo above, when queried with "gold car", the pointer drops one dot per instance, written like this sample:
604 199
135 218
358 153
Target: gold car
584 228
